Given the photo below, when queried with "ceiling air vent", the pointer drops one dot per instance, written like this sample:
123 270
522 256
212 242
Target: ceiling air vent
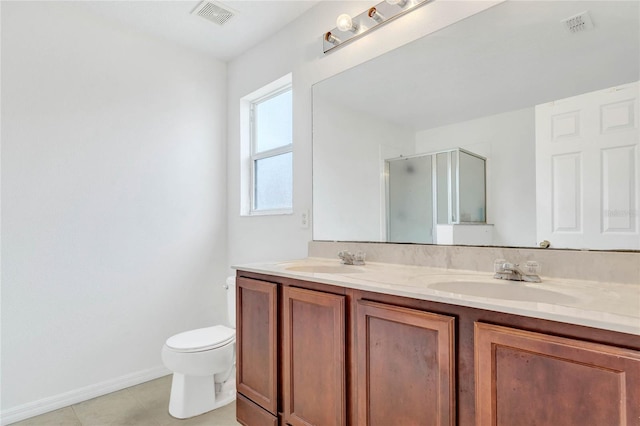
578 23
214 12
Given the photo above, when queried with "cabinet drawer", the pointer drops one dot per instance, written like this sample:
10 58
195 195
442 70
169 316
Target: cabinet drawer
250 414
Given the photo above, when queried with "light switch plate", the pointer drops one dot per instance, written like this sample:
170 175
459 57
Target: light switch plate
305 219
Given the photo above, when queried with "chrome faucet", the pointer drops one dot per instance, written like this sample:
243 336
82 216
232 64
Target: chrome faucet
512 271
349 258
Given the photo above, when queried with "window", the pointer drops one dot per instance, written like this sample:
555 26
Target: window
271 152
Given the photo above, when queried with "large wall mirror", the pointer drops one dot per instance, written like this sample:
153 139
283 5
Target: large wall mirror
551 112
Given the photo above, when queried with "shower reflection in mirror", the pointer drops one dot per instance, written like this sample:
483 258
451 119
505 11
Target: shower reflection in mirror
437 198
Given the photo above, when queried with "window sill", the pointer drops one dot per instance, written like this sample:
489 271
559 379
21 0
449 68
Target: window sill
282 212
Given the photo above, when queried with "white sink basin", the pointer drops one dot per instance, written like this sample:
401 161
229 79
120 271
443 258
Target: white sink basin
326 269
511 290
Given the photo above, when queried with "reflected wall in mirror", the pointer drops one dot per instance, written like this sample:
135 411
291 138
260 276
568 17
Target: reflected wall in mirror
554 112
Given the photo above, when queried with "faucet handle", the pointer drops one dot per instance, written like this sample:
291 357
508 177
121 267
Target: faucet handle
347 257
510 267
499 265
531 267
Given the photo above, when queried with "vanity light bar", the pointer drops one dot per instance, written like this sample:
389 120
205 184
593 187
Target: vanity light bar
368 20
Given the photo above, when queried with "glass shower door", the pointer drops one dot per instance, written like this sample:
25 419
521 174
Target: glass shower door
410 200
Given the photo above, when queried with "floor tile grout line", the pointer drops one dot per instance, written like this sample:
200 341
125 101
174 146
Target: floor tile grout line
76 414
142 404
146 385
133 395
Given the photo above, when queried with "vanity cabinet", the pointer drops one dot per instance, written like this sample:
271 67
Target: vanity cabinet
405 366
553 380
317 354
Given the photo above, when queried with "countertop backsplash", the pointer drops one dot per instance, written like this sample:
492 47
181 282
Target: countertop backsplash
602 266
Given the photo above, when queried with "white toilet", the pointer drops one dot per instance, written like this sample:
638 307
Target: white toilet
203 365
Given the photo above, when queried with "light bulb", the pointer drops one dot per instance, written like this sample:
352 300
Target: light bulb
345 23
400 3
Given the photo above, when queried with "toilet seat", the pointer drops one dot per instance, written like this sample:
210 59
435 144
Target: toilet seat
201 339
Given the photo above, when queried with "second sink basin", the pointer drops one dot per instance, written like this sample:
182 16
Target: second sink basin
326 269
508 290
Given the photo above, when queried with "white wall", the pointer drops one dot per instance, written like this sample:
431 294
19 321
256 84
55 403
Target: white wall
298 49
350 159
113 186
511 196
113 194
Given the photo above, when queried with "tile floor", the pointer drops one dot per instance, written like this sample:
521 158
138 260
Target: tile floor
144 404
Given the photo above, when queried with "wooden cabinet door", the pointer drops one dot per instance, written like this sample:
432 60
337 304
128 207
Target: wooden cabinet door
313 357
405 366
525 378
256 340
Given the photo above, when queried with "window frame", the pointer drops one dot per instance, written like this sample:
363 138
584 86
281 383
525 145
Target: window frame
273 152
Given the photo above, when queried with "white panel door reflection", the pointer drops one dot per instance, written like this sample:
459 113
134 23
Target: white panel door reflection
587 177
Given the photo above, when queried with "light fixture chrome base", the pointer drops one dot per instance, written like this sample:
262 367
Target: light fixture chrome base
367 21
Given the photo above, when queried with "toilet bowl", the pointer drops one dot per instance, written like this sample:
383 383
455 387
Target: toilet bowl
203 365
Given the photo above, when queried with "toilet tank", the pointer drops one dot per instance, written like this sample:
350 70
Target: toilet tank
231 300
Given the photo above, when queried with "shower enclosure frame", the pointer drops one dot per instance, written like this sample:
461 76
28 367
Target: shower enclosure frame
453 200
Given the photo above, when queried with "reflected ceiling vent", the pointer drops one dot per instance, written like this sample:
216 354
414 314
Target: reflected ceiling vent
214 11
578 23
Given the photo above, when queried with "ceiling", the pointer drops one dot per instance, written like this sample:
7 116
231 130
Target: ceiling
172 20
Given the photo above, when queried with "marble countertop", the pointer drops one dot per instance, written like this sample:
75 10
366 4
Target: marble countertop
609 306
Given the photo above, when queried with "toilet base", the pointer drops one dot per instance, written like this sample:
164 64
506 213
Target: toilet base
195 395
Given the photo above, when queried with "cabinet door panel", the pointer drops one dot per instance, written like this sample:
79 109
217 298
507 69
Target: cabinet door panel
257 342
405 366
313 357
527 378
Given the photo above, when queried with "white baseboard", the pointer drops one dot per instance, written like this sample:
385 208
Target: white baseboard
55 402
